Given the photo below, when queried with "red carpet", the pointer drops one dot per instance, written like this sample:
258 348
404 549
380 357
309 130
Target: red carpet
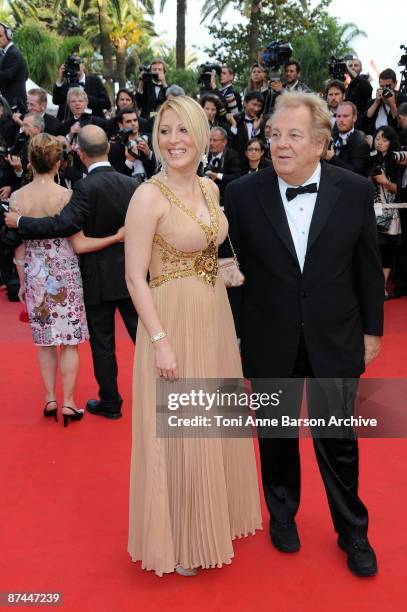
63 511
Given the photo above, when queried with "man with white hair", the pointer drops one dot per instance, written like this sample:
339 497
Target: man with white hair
305 235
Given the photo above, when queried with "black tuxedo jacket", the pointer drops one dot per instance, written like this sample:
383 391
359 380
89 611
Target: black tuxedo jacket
239 141
335 300
98 206
98 100
148 101
229 166
65 126
355 155
359 92
13 75
51 124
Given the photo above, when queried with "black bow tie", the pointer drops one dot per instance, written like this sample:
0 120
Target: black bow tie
248 120
292 192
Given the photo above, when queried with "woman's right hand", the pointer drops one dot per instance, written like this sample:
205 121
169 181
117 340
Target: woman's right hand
120 234
165 360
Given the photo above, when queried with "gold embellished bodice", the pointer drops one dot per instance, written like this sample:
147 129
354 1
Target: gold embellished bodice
183 244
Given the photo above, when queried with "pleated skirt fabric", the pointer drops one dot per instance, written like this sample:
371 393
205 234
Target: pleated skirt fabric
189 496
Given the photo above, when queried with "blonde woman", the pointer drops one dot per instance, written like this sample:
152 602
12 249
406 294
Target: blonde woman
189 497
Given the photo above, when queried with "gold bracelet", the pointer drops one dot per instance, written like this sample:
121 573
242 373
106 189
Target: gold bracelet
158 336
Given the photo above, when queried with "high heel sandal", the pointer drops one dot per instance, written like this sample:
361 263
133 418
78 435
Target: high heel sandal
53 412
75 416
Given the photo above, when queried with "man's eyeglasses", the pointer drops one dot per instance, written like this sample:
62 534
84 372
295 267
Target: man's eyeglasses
256 149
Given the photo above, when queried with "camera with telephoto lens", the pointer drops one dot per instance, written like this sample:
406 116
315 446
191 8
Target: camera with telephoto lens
337 69
275 54
204 78
146 74
72 68
123 136
19 144
399 156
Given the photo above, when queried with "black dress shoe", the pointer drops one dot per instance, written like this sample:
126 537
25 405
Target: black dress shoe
96 407
361 556
284 536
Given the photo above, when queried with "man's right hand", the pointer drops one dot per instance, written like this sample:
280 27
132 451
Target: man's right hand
10 219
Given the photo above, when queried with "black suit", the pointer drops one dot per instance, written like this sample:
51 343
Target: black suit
359 92
51 124
239 140
98 206
148 102
309 323
228 165
13 75
98 99
354 155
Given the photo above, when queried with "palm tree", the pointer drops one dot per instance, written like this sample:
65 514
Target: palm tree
180 42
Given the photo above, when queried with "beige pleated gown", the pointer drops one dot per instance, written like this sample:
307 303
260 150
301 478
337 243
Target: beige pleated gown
189 497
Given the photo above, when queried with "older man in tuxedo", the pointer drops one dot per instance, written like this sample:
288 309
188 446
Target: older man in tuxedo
98 206
305 234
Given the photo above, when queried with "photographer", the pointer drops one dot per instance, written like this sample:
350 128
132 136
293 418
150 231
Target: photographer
72 74
13 70
152 89
77 101
232 99
130 153
37 103
350 150
32 125
334 95
292 71
359 89
383 109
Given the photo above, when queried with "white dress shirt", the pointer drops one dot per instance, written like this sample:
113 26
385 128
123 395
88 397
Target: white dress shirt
299 213
100 164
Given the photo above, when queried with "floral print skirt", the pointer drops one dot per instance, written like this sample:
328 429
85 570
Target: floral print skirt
53 293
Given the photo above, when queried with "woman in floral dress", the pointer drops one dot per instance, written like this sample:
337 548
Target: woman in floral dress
50 278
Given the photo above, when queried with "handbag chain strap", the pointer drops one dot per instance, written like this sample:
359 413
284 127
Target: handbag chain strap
233 250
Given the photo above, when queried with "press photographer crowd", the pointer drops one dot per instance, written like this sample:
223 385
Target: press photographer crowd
369 131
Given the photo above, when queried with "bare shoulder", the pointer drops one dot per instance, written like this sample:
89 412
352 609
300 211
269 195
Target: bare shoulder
148 201
212 188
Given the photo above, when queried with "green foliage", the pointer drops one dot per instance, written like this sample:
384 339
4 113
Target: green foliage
314 34
40 49
185 78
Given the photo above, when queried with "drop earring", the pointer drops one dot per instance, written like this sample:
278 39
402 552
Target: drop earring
204 160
